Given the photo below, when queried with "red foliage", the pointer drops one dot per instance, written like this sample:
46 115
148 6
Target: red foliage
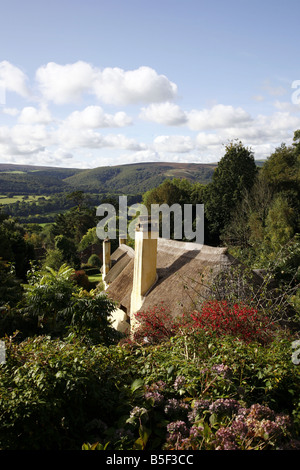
81 279
238 320
215 317
155 325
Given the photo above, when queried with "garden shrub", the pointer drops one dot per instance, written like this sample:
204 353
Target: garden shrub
193 391
94 260
221 395
58 305
54 394
238 320
154 325
81 279
219 317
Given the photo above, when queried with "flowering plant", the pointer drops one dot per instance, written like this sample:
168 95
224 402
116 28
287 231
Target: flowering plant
154 325
219 317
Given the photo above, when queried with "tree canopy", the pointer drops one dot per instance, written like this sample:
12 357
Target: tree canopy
235 173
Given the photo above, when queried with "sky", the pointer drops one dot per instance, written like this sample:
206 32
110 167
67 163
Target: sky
89 83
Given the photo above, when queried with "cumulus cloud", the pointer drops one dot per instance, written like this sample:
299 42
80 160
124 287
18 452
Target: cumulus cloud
287 106
23 139
73 138
262 134
122 142
94 117
208 139
13 79
166 113
64 83
10 111
147 155
67 83
173 143
41 135
217 117
32 115
116 86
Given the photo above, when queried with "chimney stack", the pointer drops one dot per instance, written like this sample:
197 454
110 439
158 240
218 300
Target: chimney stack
144 274
106 257
122 239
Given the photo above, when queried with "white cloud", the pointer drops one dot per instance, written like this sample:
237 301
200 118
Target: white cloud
64 83
67 83
32 115
273 90
10 111
218 117
79 138
23 139
13 79
122 142
209 140
143 85
173 143
263 134
147 155
287 106
94 117
73 135
167 113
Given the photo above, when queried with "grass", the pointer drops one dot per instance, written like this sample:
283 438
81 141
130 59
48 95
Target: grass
18 172
95 278
10 200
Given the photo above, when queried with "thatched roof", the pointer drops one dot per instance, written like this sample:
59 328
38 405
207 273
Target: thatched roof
119 260
183 271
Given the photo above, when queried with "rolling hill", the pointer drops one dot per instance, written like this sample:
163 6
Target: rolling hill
122 179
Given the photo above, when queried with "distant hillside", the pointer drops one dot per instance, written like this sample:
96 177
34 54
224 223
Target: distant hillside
121 179
26 179
138 178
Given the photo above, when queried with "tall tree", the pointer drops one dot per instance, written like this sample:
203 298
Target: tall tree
235 173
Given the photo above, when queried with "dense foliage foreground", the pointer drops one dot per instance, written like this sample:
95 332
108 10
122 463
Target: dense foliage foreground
191 391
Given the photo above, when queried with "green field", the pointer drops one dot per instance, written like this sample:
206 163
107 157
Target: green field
10 200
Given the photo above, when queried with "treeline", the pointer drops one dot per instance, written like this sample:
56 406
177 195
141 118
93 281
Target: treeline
31 183
45 209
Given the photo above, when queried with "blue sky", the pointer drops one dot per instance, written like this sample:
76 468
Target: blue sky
92 83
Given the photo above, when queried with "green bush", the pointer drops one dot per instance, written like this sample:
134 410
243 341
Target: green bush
65 395
243 384
94 260
54 305
54 394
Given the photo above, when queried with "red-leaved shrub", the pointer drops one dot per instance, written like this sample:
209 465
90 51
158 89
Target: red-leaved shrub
81 279
154 325
215 317
239 320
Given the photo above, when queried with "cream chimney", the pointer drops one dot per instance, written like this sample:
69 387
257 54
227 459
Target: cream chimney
144 273
122 239
106 246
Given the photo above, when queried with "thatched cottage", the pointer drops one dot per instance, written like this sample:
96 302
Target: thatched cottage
158 270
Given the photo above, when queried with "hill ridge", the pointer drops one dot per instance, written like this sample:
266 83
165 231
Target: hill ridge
131 178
